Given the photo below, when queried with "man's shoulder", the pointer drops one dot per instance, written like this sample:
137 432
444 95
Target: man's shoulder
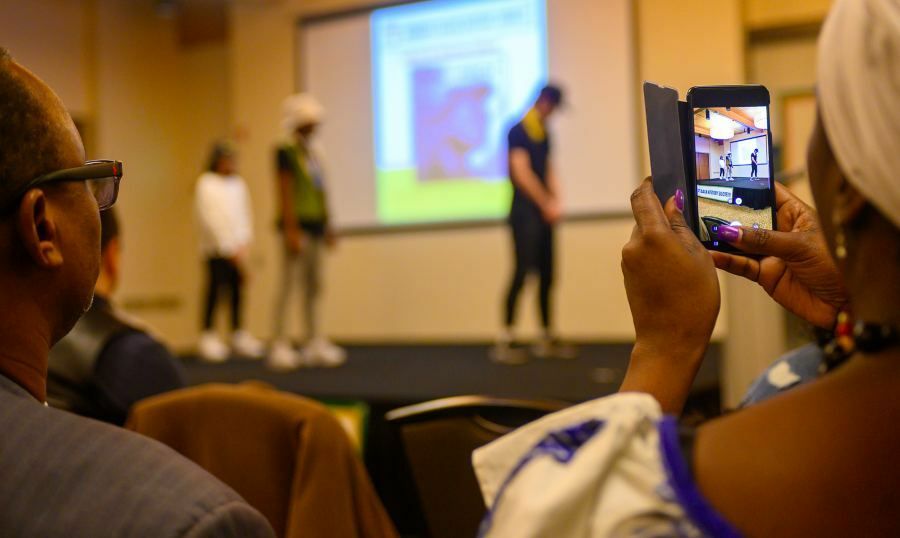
517 137
79 477
516 129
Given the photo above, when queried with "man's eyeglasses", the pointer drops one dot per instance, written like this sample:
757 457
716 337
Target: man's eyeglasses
102 178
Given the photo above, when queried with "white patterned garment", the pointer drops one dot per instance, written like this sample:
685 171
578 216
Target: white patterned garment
610 467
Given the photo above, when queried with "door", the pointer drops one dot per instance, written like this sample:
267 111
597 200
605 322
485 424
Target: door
702 166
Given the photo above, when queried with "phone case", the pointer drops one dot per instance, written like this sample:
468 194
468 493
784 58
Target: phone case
668 122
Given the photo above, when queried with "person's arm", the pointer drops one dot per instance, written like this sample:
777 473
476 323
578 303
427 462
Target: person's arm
673 292
319 155
525 179
214 218
244 228
553 184
292 236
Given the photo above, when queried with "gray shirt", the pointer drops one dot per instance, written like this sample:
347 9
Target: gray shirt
64 475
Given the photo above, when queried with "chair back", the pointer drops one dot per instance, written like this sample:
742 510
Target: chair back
439 437
286 455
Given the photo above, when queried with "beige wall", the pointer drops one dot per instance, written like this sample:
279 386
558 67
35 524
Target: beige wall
159 107
50 37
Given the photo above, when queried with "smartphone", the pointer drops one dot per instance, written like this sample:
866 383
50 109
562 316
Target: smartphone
731 168
666 119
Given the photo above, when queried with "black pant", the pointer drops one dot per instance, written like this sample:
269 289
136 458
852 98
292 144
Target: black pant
223 273
533 241
753 170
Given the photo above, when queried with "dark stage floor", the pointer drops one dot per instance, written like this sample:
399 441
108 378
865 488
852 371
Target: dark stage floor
740 182
417 373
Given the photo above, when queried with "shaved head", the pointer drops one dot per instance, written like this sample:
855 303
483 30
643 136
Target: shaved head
37 135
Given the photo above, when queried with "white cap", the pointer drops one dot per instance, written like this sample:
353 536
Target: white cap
300 110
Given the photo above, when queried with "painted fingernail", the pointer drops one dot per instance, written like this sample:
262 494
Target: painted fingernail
679 200
729 233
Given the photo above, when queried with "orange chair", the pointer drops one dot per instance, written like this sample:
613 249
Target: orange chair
285 454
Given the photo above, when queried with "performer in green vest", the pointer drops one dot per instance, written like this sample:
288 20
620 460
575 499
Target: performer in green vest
305 229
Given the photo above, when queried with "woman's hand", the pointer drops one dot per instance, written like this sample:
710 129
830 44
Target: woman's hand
673 292
796 268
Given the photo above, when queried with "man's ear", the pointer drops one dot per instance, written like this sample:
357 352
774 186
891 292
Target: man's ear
37 230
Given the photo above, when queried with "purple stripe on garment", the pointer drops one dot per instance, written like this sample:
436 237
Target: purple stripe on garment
697 508
561 445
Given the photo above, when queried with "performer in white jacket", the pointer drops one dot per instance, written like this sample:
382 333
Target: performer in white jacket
225 221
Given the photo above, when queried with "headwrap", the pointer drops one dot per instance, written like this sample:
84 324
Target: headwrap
859 97
300 110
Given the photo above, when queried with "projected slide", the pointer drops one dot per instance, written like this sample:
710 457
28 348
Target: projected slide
743 149
449 79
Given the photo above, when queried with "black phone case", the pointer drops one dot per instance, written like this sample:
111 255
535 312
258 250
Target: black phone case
668 123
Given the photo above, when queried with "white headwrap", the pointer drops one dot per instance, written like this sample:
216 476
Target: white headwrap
859 97
299 110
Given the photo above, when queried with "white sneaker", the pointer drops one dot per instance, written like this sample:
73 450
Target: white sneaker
508 352
282 357
211 348
553 348
320 352
245 345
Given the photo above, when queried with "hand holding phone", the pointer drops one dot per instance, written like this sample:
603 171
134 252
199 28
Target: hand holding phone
673 293
795 267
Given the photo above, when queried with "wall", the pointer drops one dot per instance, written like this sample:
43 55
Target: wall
51 37
787 68
159 107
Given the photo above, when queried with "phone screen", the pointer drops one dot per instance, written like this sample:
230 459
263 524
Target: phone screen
733 169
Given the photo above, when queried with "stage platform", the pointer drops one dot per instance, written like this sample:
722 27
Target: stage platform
417 373
390 376
739 191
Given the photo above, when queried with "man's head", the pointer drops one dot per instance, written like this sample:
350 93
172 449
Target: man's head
50 236
548 101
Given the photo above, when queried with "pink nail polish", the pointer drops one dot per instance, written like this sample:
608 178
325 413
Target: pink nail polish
679 199
729 233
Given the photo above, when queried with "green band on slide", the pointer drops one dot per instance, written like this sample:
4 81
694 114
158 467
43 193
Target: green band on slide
403 199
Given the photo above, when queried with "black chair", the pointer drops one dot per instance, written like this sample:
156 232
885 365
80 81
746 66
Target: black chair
439 437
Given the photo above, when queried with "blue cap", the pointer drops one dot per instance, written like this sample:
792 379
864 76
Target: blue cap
552 93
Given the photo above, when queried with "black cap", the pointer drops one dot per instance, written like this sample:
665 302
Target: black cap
552 93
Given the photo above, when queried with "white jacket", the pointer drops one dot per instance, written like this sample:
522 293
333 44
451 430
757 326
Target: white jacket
224 215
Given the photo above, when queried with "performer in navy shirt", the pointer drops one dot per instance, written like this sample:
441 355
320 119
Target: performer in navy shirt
534 212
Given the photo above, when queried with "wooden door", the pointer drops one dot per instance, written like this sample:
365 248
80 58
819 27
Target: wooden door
702 165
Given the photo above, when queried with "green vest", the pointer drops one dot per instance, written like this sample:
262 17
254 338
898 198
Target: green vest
309 198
